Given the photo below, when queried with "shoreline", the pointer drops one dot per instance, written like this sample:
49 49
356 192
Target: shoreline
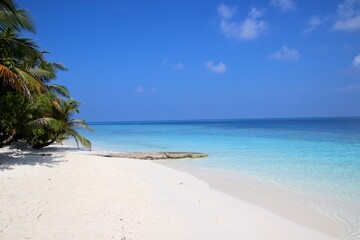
274 198
70 194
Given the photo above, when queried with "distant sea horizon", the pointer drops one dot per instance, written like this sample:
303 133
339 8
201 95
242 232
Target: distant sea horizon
317 156
221 119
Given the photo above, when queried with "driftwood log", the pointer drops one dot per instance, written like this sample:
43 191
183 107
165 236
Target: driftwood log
152 155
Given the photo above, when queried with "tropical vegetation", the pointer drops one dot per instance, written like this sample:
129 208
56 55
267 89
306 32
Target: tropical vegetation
33 109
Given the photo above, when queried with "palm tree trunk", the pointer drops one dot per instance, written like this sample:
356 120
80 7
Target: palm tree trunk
10 138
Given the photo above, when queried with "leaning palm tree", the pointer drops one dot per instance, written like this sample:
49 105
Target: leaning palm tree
27 71
37 111
70 107
59 125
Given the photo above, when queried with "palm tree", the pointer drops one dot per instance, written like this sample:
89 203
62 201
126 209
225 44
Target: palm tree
37 111
70 107
29 73
61 125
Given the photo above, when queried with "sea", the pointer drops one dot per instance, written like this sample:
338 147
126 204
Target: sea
319 157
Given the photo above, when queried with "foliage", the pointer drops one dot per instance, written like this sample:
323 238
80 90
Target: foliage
32 109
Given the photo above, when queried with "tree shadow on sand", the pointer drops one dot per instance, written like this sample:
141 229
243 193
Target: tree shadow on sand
15 155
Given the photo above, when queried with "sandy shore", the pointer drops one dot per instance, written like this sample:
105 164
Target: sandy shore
69 195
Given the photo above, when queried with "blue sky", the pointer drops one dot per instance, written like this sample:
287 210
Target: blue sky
172 60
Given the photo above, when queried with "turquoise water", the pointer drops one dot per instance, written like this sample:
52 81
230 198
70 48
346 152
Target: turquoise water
318 156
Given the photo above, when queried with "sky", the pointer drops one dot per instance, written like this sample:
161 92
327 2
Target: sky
135 60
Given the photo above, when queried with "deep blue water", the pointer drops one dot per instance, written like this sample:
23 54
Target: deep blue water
317 155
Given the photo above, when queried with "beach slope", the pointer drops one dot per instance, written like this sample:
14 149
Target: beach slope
75 196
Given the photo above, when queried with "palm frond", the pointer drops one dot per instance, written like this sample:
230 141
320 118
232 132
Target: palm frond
40 73
11 79
47 122
12 16
19 47
49 104
55 102
59 66
70 107
80 123
46 71
30 81
84 141
58 90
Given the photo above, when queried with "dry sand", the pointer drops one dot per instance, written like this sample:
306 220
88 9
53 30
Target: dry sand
75 196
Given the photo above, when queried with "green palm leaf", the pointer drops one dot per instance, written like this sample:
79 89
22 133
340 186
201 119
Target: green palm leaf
47 122
80 123
78 137
30 81
12 16
15 46
58 90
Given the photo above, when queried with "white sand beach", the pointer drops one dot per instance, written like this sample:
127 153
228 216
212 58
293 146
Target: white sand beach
69 195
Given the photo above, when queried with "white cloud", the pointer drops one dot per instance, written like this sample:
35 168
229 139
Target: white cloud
139 90
250 28
315 22
283 5
215 68
286 53
179 66
226 12
356 62
348 18
154 90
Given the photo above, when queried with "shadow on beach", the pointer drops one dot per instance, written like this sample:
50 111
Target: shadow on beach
15 155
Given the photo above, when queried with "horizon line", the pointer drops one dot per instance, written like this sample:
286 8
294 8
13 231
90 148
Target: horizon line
222 119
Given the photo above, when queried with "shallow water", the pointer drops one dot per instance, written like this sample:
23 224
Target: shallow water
319 157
